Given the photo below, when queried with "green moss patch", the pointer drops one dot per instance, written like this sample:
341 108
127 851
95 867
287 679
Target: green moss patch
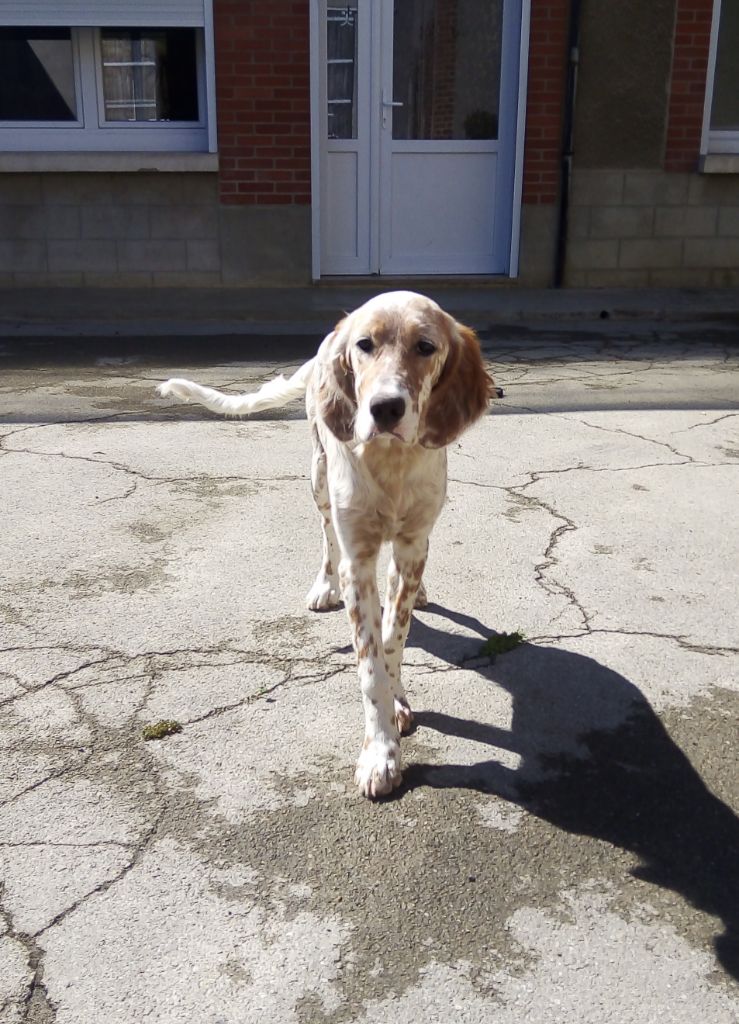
158 730
501 643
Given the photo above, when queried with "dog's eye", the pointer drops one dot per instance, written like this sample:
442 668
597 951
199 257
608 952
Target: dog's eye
365 344
425 348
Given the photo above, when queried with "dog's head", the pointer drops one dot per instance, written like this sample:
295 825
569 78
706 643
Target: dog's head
400 368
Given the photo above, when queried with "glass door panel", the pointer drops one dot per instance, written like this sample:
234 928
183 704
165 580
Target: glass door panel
446 68
341 71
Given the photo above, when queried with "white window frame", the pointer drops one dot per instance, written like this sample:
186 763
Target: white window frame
91 133
718 143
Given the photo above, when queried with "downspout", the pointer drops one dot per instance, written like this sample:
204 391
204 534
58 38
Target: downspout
568 126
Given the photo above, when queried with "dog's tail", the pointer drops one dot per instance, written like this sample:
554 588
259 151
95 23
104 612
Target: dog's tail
271 395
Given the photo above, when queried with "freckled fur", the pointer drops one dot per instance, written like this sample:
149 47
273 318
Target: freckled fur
372 486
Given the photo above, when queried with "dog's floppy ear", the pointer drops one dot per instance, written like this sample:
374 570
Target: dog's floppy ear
335 399
462 393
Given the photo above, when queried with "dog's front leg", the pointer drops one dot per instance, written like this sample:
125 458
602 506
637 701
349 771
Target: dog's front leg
378 766
404 580
324 593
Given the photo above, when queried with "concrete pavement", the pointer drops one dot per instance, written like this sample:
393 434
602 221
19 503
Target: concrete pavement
566 844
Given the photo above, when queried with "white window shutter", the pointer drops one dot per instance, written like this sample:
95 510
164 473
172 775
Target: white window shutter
101 13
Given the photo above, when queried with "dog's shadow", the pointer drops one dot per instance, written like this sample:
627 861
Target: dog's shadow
595 760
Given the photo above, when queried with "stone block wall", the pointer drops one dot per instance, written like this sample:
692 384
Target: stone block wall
653 229
126 230
143 230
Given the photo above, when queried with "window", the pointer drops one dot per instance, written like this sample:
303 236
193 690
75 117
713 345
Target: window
104 89
37 80
721 132
149 75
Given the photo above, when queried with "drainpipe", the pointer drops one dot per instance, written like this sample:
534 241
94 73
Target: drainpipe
573 47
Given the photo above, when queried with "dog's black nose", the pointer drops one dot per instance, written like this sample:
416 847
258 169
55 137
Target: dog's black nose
387 412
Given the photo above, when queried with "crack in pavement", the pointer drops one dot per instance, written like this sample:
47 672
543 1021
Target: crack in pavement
265 692
583 468
567 525
630 433
678 638
56 679
36 996
139 848
37 1005
584 375
151 669
161 799
50 777
211 478
707 423
107 418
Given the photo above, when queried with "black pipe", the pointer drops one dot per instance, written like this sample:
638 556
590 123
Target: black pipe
568 127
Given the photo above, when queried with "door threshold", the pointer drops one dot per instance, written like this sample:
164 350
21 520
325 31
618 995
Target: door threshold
417 283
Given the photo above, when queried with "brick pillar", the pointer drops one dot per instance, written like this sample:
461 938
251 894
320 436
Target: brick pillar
545 100
688 84
262 52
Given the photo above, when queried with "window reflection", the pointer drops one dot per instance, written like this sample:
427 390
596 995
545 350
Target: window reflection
37 75
446 69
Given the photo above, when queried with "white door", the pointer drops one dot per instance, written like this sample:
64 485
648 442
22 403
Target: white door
417 115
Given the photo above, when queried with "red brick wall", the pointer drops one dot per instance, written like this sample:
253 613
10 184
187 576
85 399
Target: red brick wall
688 85
545 100
263 99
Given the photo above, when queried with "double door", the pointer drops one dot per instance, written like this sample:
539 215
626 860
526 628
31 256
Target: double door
417 120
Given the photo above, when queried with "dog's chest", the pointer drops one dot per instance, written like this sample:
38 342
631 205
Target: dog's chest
406 486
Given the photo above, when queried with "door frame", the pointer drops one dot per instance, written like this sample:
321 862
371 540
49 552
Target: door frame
518 113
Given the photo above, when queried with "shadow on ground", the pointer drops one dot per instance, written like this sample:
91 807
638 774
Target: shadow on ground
595 761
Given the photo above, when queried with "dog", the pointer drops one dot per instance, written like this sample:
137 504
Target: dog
390 388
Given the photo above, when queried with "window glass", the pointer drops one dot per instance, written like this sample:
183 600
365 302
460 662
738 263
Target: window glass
37 75
341 71
446 69
149 74
725 106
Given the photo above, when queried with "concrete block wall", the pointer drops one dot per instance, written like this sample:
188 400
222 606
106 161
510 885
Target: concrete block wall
631 228
122 230
144 230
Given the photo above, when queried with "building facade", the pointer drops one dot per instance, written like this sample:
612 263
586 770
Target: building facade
232 143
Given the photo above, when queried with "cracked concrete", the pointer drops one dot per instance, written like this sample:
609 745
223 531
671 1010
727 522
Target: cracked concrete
565 847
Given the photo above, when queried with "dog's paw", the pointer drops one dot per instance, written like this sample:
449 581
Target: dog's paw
324 593
403 716
378 768
421 597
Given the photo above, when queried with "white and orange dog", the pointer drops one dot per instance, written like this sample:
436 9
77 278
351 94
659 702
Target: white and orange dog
394 384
